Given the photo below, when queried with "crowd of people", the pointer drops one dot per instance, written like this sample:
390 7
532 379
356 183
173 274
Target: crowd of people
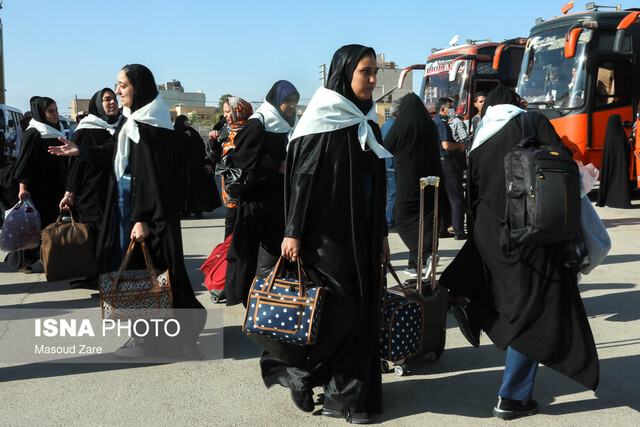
316 190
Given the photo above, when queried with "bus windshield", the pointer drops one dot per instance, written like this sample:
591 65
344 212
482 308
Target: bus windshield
547 79
436 86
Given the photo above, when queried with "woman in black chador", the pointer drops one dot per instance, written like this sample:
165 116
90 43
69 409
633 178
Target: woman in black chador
413 141
616 157
261 150
526 301
40 176
87 182
141 202
335 222
197 187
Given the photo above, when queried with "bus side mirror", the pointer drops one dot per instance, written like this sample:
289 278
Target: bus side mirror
571 40
496 57
455 67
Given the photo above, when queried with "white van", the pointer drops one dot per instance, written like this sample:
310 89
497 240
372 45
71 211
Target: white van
67 122
9 123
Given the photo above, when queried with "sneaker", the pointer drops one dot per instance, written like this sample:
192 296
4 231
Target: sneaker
472 334
429 266
303 400
509 409
411 272
132 349
450 230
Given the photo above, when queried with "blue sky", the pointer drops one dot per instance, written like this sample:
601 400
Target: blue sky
66 48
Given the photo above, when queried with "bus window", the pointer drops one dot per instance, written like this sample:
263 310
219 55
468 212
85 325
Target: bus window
613 84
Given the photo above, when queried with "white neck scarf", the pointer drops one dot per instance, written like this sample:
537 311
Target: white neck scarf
496 117
156 113
328 111
95 122
46 131
272 120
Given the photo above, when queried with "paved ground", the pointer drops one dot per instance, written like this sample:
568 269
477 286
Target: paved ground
458 389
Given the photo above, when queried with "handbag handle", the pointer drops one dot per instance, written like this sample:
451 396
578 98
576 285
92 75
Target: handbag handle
59 220
301 275
391 270
127 258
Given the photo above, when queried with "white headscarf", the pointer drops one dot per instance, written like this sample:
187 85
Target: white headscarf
94 122
328 111
156 113
496 117
272 120
46 131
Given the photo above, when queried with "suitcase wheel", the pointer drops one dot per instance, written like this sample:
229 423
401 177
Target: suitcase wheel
217 296
384 366
399 370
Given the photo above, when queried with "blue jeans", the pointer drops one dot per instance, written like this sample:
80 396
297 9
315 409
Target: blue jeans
519 375
391 189
121 222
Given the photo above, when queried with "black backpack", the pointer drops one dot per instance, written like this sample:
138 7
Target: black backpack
543 192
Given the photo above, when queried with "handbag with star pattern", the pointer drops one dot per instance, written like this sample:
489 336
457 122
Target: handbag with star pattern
284 309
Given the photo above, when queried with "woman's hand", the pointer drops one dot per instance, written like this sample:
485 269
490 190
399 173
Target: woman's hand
386 252
213 135
139 232
23 193
290 248
68 149
66 201
283 167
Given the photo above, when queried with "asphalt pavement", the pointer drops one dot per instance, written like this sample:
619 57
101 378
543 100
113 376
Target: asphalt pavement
459 389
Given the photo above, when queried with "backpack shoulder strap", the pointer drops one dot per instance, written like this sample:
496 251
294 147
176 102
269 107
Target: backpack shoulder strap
528 125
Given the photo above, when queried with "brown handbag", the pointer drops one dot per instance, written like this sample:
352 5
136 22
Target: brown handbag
134 294
67 250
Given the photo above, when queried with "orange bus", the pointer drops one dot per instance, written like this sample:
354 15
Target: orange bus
458 72
578 69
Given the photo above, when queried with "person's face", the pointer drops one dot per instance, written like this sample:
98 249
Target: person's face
288 106
444 111
51 113
125 90
186 124
364 78
226 110
110 103
479 103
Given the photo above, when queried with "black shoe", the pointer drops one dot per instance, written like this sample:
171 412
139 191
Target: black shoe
461 236
472 334
303 400
444 234
357 418
509 409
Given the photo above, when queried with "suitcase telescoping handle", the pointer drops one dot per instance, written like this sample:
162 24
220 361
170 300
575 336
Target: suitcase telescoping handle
435 182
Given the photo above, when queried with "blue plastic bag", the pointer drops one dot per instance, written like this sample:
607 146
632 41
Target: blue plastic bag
21 228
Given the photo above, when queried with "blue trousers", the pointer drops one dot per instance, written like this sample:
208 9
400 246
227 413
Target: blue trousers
391 190
519 375
121 222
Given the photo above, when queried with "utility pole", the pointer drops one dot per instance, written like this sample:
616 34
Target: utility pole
2 88
323 74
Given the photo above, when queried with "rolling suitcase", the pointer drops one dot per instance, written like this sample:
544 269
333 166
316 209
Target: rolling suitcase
214 270
433 297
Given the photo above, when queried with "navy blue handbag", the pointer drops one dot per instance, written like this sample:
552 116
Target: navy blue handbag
284 309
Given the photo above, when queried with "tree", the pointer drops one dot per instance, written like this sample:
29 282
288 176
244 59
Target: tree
223 98
193 118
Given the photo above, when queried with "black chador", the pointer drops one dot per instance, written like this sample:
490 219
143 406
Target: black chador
88 181
614 173
335 205
198 187
413 140
527 300
260 149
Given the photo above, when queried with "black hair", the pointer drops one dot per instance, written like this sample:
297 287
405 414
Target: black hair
442 102
478 95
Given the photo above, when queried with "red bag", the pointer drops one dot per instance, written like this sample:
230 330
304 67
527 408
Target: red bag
215 267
